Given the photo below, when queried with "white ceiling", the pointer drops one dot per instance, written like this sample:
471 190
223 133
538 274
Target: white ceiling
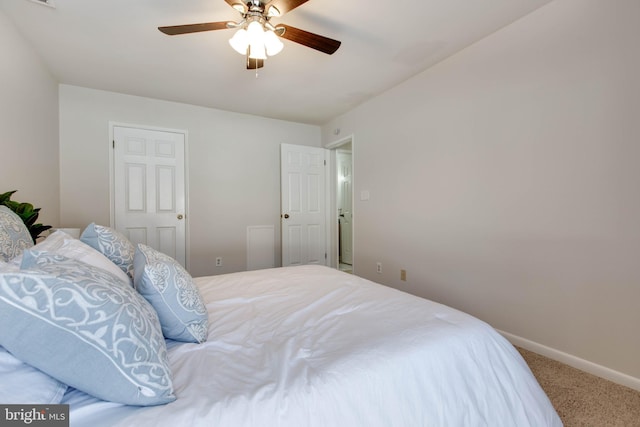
114 45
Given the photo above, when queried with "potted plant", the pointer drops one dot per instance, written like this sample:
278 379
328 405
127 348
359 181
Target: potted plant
26 212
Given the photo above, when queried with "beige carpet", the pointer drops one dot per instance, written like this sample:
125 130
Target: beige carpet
582 399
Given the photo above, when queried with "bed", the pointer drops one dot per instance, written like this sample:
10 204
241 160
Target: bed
313 346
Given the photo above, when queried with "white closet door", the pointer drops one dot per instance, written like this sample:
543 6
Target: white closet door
303 213
149 188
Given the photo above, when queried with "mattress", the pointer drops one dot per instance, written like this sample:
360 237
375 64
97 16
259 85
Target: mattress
313 346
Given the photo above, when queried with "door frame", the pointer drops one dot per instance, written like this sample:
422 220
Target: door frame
332 217
112 125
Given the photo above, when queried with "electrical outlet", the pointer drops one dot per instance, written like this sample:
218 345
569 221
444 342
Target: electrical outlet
379 267
219 262
403 275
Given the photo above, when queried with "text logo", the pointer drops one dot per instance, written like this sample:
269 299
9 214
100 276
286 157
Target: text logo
34 415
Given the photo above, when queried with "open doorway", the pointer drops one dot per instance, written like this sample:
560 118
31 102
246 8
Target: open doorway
342 204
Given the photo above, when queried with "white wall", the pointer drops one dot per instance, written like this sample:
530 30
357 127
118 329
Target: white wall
506 180
233 160
29 124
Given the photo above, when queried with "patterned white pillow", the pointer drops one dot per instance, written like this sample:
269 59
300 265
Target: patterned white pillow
171 291
112 244
14 235
63 243
8 267
86 328
53 242
23 383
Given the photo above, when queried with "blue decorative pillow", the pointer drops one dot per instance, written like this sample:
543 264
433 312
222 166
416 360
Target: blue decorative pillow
14 235
112 244
22 383
85 327
171 291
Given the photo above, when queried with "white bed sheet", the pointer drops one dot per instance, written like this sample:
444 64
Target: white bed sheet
312 346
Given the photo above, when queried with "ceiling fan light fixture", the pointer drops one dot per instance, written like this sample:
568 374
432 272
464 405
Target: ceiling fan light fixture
257 51
259 42
240 41
272 43
255 33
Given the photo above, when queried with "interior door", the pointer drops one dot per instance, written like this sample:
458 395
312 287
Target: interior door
149 188
344 205
303 198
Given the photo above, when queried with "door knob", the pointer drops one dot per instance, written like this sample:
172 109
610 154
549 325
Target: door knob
180 216
286 216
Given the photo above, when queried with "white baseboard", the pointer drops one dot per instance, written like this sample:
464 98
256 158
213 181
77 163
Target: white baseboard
576 362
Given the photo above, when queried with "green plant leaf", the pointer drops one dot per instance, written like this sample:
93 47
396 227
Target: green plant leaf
27 213
6 196
37 229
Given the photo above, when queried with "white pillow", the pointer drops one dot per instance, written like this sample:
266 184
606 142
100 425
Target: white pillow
8 267
21 383
53 242
61 243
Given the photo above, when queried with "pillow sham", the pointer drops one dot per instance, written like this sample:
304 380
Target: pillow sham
62 243
52 242
14 235
86 328
6 266
112 244
22 383
171 291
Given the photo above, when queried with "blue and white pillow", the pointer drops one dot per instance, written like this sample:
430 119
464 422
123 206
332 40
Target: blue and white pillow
171 291
86 328
21 383
14 235
112 244
62 243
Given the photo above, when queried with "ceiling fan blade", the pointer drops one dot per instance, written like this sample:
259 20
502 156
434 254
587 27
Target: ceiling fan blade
314 41
283 6
254 64
193 28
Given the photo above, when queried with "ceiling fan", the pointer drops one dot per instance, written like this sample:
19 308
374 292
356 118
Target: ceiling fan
256 36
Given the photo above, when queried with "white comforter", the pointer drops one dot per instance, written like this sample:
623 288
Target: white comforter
311 346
